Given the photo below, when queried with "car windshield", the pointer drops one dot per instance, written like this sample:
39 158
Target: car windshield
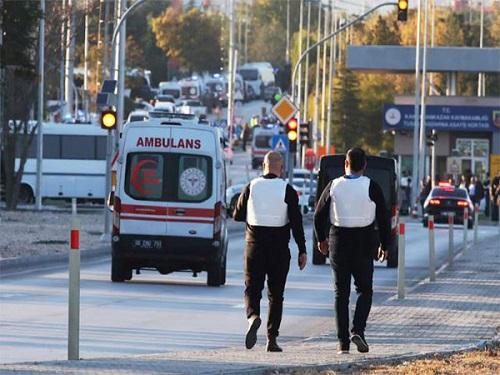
166 98
249 74
174 92
193 103
449 193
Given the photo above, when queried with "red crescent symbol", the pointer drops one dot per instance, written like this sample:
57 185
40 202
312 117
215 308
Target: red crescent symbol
147 180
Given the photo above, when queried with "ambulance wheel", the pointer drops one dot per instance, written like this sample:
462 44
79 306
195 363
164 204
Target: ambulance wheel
318 258
216 274
26 195
223 272
120 271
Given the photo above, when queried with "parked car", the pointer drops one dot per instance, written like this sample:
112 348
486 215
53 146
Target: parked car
445 200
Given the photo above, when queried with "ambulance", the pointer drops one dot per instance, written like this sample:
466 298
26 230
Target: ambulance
169 211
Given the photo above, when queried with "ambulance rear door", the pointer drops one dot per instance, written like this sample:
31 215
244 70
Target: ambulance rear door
192 183
144 205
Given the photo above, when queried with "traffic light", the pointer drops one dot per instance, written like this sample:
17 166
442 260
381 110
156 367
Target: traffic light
305 136
402 10
292 129
108 119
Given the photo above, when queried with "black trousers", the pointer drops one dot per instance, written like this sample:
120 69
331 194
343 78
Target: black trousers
351 254
273 261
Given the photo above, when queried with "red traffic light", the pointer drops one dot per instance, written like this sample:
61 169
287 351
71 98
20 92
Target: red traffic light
292 128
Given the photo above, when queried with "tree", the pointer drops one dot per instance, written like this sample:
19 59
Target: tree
348 125
192 37
19 23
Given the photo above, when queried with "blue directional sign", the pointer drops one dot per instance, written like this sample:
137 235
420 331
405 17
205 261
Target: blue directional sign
441 117
280 143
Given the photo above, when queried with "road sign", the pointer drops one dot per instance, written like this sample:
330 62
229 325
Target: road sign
310 159
284 110
280 143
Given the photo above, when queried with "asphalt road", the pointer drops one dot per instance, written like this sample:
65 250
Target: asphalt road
155 313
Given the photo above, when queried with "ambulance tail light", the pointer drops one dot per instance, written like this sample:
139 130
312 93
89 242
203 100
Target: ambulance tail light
217 220
394 220
116 217
463 203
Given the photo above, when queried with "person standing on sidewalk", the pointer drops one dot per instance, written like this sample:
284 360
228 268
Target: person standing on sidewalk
270 208
245 135
348 209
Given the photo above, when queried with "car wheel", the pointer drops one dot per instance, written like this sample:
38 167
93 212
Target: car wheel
470 224
425 221
120 271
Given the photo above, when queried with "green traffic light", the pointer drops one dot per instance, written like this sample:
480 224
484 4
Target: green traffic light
277 97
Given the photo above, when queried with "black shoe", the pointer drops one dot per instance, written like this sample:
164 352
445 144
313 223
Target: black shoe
343 348
251 337
360 342
272 345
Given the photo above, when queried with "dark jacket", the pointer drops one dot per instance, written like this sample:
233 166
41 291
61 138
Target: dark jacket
279 235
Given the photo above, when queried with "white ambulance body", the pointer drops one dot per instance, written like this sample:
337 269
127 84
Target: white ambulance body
169 204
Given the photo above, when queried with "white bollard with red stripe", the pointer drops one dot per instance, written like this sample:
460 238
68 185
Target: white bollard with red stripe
74 288
401 260
451 244
476 222
466 223
432 249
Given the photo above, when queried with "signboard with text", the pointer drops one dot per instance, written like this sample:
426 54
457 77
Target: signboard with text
444 118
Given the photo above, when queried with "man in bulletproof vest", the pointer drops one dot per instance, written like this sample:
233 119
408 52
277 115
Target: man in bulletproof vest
270 208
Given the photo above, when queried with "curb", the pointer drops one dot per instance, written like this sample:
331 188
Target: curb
362 364
11 265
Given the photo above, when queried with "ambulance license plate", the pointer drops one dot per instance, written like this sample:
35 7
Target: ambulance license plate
147 244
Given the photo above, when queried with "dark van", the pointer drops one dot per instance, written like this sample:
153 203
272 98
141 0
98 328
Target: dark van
380 169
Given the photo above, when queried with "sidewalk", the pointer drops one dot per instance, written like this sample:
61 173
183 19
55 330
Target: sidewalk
459 310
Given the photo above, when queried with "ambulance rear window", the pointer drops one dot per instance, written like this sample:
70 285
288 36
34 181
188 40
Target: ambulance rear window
263 141
144 178
169 177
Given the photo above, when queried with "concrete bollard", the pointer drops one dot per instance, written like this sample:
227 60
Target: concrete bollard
74 288
476 222
466 222
432 249
451 245
401 260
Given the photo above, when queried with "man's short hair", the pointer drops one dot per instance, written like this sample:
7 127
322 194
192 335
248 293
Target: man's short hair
357 159
273 158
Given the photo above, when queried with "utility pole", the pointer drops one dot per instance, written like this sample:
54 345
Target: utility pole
432 90
306 73
230 101
481 78
247 20
62 65
317 93
415 177
39 136
2 86
70 59
323 82
86 63
423 140
299 83
287 31
331 76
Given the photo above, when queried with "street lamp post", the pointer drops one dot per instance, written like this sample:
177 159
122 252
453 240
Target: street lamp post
415 176
421 166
